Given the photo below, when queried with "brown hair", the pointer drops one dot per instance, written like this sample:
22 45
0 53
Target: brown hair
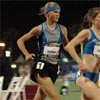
47 5
89 17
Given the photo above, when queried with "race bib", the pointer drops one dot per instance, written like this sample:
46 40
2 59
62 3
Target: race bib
51 50
97 50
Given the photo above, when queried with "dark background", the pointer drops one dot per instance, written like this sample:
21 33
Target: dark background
23 14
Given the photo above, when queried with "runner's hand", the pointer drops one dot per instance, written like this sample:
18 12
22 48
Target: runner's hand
83 67
30 57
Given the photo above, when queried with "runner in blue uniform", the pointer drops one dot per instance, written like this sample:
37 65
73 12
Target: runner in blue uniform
51 37
89 65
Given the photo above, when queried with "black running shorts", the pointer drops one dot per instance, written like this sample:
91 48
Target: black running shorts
45 69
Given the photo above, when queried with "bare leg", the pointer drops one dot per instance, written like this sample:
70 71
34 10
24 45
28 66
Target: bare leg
90 90
83 97
40 95
47 88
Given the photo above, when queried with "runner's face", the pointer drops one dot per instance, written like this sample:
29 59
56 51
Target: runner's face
97 20
54 15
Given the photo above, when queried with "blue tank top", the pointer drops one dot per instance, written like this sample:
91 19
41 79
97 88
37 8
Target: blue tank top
89 45
50 42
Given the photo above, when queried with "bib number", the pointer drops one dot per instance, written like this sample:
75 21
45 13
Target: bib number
40 65
97 50
51 50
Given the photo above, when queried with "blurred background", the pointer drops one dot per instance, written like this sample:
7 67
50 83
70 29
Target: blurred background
18 17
